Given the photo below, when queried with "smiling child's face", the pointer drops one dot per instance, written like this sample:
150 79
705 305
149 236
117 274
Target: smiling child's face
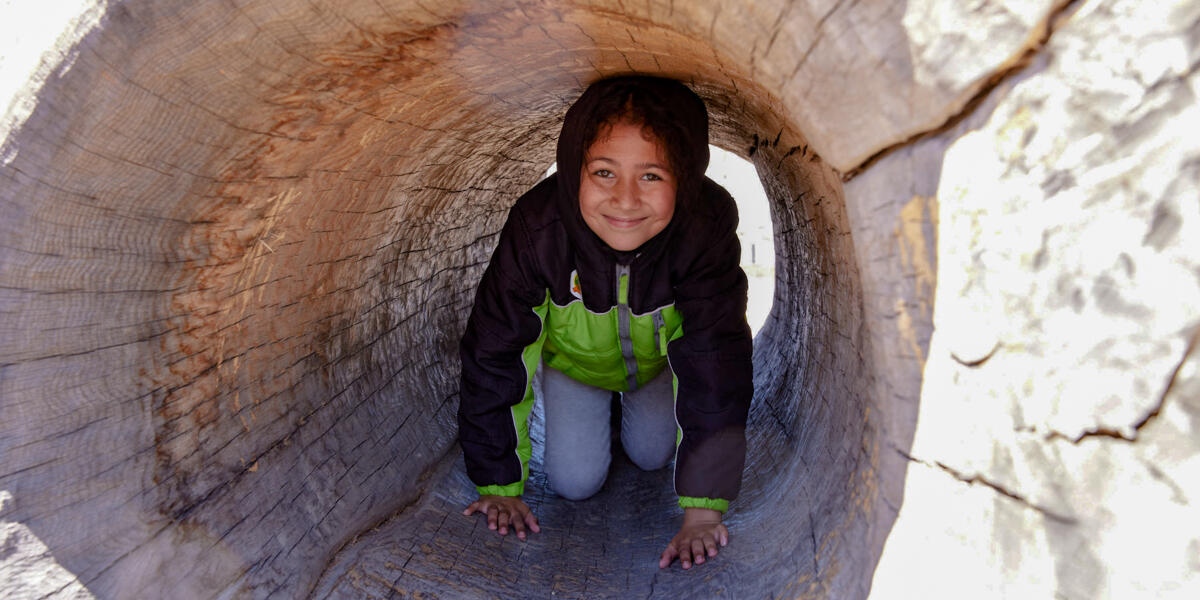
626 187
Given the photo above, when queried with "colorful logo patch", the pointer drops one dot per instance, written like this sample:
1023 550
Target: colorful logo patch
576 290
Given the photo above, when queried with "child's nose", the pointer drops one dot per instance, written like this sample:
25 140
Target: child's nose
627 194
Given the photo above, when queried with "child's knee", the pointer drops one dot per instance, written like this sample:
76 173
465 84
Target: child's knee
578 483
649 457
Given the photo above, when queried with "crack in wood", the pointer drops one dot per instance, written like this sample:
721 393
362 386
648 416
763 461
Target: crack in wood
812 536
984 481
978 361
1151 415
820 29
1057 16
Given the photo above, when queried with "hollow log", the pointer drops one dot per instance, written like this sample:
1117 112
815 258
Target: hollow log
240 241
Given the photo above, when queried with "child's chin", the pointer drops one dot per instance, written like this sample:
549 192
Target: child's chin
622 244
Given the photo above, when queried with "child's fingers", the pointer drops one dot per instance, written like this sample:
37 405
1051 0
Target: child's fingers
698 551
518 526
532 522
685 554
668 555
710 545
523 518
723 532
502 521
502 515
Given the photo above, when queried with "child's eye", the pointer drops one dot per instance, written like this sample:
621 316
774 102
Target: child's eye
602 173
651 177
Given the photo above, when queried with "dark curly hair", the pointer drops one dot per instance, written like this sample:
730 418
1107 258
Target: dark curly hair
670 111
636 107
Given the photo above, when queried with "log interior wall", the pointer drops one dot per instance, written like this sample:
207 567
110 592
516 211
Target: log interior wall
240 243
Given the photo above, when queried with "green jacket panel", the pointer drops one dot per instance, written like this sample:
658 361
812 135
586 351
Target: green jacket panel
586 346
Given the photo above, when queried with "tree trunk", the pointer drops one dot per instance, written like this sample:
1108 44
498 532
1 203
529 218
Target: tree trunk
239 244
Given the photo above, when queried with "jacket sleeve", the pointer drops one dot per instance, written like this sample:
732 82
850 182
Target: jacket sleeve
712 364
500 351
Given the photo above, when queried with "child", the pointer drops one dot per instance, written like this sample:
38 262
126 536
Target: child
620 273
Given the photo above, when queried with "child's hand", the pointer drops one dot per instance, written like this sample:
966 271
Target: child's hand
699 536
503 511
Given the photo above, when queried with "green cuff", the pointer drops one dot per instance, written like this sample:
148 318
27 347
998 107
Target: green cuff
512 489
712 503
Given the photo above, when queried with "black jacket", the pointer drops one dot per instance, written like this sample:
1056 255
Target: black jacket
692 266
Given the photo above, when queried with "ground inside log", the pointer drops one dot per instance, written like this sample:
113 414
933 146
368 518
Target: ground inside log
607 546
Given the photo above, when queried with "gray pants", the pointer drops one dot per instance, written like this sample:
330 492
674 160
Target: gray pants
578 450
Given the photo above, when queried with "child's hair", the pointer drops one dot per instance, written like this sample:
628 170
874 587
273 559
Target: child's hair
675 115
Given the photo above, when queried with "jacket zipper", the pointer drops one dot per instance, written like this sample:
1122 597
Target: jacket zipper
623 326
660 333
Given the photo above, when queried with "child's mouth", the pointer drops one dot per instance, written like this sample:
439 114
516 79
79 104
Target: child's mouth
623 223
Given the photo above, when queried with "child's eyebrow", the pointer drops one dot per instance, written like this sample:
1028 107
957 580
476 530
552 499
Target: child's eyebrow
649 165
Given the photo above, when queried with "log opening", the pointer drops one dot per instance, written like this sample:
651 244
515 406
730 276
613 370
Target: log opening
241 244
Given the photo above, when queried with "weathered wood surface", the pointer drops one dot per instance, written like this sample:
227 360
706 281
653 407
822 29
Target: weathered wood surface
238 242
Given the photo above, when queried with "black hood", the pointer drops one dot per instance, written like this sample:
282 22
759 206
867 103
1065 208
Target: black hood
688 125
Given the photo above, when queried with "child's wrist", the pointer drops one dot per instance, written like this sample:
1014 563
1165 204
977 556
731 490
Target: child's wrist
694 515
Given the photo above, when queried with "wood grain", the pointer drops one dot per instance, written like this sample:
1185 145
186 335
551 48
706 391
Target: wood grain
239 240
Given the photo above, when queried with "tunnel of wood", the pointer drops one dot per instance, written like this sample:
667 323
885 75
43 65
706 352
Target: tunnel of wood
241 240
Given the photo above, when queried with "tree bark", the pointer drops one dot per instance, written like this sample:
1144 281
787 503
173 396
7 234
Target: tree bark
238 243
